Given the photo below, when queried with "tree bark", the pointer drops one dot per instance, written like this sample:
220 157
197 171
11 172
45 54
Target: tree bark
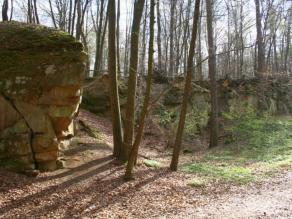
98 39
135 148
159 35
36 12
212 75
260 42
5 10
132 83
187 90
29 12
171 37
288 40
260 58
52 14
115 103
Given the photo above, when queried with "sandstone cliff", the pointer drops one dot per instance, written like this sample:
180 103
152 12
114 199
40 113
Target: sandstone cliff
41 75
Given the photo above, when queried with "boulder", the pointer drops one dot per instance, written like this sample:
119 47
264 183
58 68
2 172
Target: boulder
96 95
41 77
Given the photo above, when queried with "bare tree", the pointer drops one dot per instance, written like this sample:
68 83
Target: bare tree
212 75
36 15
5 10
159 35
132 83
187 90
135 148
112 61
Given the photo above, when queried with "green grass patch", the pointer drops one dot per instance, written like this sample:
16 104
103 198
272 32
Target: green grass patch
151 163
221 171
261 146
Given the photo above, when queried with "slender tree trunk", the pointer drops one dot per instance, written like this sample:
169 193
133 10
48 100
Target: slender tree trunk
74 17
171 37
98 39
78 24
11 10
115 105
5 10
141 61
70 16
29 12
199 57
241 62
52 14
275 53
36 11
135 148
260 42
212 75
132 83
118 36
187 90
288 40
260 58
159 35
102 43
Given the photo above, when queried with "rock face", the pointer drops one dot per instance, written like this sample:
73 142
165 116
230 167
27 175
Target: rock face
96 95
41 74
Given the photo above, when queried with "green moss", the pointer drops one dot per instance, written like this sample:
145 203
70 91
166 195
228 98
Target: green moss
20 36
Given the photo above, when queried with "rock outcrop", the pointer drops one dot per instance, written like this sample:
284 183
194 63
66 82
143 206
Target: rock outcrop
41 75
96 95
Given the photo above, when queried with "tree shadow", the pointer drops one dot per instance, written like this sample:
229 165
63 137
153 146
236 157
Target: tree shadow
102 164
102 197
80 168
100 192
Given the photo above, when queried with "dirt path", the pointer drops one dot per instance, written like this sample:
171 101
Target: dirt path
272 199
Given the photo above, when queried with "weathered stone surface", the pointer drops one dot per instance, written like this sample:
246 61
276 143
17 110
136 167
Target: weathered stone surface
96 95
41 75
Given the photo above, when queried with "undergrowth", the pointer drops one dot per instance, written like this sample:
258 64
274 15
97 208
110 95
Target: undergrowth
259 146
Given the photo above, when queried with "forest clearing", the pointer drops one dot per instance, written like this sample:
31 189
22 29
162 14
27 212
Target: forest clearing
146 109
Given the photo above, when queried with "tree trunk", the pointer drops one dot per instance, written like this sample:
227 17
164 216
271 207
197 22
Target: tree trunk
135 148
70 16
29 12
212 75
187 90
132 83
98 39
11 10
260 58
52 14
159 35
171 37
78 24
199 56
260 42
288 40
115 103
5 10
36 11
118 36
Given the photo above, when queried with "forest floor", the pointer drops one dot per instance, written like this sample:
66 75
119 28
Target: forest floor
207 185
